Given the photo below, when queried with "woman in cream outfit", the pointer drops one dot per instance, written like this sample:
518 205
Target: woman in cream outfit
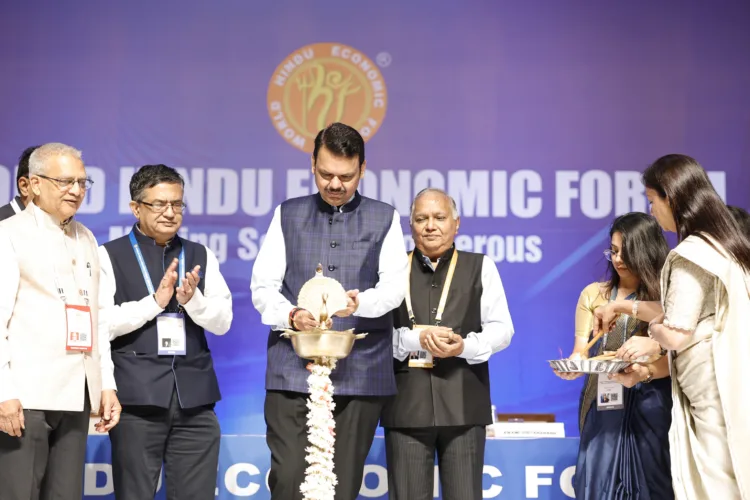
706 326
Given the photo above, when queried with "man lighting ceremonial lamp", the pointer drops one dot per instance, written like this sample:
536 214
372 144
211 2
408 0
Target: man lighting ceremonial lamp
360 244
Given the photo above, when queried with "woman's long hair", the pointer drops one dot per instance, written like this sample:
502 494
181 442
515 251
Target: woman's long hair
696 206
644 250
742 218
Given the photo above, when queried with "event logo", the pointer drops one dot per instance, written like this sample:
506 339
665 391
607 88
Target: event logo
324 83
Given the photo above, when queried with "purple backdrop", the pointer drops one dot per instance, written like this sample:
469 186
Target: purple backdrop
537 116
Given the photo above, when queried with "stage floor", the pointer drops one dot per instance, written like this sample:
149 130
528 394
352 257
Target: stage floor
514 469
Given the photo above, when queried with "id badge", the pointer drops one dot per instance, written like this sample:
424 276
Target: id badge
609 394
79 329
421 359
170 330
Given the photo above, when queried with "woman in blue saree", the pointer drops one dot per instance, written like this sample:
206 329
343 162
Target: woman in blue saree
624 448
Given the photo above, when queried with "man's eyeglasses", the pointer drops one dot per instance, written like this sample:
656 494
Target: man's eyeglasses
161 206
67 184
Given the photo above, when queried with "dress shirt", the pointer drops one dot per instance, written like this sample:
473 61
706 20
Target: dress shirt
270 267
8 291
497 327
211 310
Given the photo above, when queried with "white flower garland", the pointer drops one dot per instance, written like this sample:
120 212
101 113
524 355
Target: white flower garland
320 480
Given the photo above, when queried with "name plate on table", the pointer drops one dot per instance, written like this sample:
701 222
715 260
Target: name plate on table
526 430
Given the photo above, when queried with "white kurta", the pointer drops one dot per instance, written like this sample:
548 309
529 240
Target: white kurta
35 366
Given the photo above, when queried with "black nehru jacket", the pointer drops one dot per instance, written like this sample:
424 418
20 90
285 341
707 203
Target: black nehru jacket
454 392
143 377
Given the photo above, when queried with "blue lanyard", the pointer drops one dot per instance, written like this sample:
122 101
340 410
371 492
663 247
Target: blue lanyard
144 269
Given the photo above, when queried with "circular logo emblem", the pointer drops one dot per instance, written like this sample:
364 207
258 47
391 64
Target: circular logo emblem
324 83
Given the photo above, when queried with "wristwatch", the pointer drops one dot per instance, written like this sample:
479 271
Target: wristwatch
662 351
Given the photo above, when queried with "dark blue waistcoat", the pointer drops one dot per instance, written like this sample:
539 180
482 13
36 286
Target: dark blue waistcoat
347 243
143 377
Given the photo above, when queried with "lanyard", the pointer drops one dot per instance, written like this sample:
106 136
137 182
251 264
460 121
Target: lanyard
144 269
612 297
443 296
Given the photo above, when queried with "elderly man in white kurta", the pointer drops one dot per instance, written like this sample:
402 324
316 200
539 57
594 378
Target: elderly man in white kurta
54 368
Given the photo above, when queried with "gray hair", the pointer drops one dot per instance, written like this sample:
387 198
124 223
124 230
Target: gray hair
41 155
454 209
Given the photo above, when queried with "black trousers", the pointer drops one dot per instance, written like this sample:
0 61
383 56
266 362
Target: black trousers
411 462
286 421
185 441
46 462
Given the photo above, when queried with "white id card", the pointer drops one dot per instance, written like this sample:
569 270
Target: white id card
609 394
170 330
79 331
421 359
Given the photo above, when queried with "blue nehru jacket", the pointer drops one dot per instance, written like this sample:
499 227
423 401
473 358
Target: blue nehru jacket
347 242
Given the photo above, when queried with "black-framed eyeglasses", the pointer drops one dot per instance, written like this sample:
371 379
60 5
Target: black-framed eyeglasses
161 206
67 184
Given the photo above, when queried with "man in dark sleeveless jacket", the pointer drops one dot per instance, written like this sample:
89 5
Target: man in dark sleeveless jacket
359 242
162 293
25 196
453 318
